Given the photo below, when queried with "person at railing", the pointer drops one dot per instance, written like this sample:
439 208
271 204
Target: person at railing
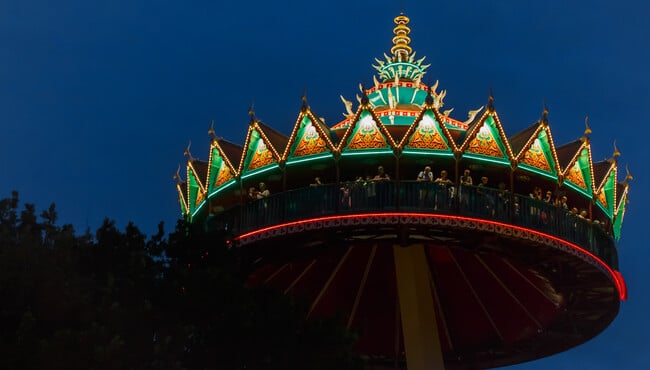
486 201
263 192
319 195
562 203
346 196
444 191
549 197
316 182
503 201
583 225
465 188
534 209
425 177
380 188
262 208
381 174
252 194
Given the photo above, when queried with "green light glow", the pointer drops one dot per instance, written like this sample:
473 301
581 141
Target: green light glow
262 170
223 187
203 203
607 212
481 158
577 188
538 171
368 152
428 153
308 159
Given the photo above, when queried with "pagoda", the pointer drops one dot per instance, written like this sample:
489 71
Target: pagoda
433 274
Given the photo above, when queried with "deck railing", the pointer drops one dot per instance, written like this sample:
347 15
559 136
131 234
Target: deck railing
410 196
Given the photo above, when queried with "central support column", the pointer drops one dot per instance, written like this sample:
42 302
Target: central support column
419 325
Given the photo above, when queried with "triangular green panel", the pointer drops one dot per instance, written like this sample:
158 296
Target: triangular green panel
618 221
366 135
605 198
181 196
195 194
579 177
539 157
428 136
307 142
488 143
258 155
220 173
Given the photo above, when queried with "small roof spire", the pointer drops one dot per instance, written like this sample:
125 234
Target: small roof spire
490 104
211 130
177 175
628 174
401 49
617 153
251 113
304 107
544 118
587 128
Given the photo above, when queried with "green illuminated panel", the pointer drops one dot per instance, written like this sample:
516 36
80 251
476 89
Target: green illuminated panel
366 135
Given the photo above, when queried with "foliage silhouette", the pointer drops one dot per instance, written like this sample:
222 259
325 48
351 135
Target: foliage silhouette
120 300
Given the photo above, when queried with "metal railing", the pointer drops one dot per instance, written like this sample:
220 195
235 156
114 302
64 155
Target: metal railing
422 197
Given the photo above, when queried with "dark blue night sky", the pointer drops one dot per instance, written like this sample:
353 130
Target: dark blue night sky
99 99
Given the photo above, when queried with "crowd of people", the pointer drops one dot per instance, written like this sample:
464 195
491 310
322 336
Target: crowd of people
440 193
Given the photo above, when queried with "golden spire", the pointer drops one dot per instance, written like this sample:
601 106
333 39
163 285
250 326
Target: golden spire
401 49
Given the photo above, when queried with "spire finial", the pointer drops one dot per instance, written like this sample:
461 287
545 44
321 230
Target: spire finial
177 175
187 153
490 105
211 130
304 107
628 174
587 128
251 113
401 49
544 118
617 153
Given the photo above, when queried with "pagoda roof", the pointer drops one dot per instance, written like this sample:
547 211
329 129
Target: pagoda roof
472 128
518 141
231 151
276 138
200 171
601 171
566 153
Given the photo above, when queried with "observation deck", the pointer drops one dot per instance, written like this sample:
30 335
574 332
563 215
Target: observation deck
458 276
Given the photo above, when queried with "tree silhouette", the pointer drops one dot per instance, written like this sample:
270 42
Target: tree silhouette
120 300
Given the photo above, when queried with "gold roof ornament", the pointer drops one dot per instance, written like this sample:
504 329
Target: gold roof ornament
211 130
187 153
587 128
617 153
401 49
177 175
628 174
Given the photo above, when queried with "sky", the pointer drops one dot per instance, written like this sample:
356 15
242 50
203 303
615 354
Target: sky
98 99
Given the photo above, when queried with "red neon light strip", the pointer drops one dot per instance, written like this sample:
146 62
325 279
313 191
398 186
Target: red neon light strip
616 276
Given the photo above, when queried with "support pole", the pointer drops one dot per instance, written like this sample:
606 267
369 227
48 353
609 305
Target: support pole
419 326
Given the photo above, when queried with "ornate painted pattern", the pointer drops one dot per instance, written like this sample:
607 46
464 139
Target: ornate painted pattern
602 198
426 137
367 136
261 157
535 157
576 177
199 198
224 175
310 142
484 143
